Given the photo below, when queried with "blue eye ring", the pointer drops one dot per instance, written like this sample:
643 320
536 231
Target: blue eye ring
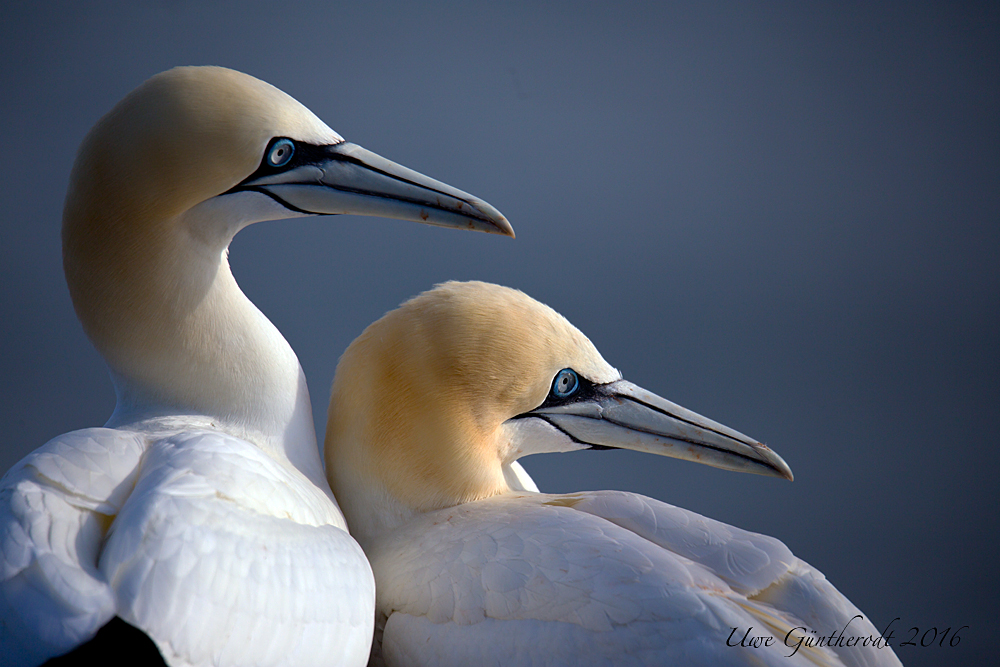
565 383
281 152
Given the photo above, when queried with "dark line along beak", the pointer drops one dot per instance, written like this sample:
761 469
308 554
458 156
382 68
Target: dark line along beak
347 179
624 416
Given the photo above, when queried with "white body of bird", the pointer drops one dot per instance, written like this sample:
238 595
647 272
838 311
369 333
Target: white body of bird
431 408
200 513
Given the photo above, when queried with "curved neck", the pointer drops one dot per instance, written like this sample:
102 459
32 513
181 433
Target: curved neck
181 338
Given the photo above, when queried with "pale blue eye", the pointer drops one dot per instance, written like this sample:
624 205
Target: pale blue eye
281 152
565 384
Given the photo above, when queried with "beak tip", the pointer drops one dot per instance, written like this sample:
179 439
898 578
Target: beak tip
773 461
502 226
495 218
781 467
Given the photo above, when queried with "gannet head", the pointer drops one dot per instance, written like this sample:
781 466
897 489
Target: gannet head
433 400
161 185
195 154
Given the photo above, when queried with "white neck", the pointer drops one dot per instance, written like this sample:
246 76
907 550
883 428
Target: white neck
185 340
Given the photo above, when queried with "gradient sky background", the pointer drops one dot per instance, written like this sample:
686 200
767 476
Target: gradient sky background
785 217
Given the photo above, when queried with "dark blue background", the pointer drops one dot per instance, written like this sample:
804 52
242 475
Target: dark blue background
783 216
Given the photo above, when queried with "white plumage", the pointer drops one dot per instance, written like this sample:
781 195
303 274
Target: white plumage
200 513
431 408
218 552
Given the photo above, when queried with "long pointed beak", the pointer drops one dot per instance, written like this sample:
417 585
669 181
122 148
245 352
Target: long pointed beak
623 416
348 179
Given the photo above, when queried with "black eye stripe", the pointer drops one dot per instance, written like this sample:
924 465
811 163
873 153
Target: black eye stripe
302 154
585 391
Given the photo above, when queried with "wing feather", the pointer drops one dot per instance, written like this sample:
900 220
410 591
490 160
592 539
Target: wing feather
55 506
594 578
222 555
218 552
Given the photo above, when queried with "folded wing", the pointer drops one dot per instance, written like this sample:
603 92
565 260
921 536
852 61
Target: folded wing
514 578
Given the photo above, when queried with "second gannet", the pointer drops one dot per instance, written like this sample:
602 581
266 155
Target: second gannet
431 408
200 513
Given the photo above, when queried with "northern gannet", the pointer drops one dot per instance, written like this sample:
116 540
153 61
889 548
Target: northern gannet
431 408
200 512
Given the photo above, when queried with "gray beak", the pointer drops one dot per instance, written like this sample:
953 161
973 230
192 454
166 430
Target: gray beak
623 416
347 179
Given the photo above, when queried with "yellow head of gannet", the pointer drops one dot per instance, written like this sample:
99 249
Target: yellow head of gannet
434 402
201 515
160 187
431 408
